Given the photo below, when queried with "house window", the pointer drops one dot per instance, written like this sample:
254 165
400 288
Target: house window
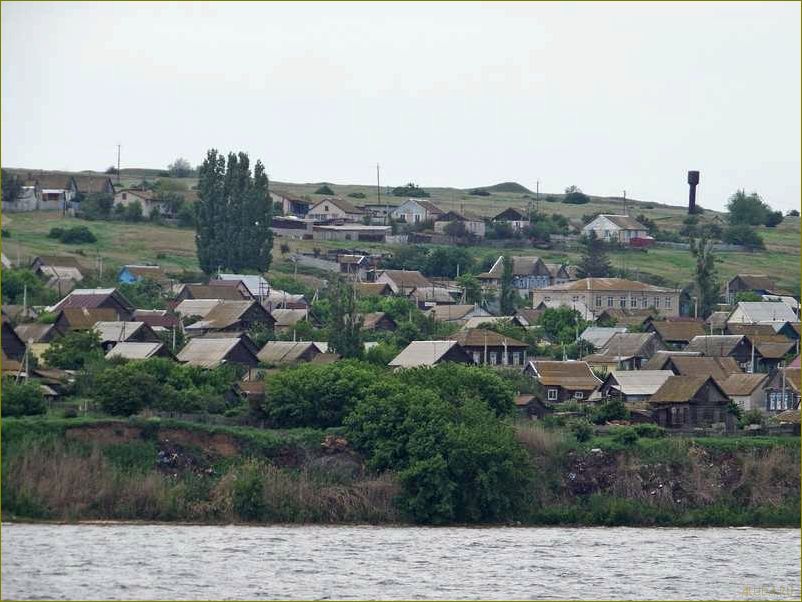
609 301
579 395
623 302
125 196
644 301
546 299
598 301
516 359
575 299
552 394
657 302
668 302
633 302
477 357
326 208
417 218
493 358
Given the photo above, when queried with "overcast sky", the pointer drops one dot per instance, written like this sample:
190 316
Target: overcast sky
609 97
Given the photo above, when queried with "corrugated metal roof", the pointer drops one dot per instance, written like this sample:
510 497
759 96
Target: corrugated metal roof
640 382
289 317
422 353
207 353
117 330
598 336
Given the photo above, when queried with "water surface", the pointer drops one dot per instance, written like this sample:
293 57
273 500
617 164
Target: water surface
171 562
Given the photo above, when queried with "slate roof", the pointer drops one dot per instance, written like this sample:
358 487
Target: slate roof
83 318
207 352
369 289
522 265
767 311
627 344
677 331
717 344
223 315
599 336
774 350
38 333
254 283
569 374
158 318
625 222
285 352
406 278
134 351
117 330
679 389
479 337
370 320
757 282
742 384
529 315
639 382
196 307
289 317
451 313
422 353
432 294
720 368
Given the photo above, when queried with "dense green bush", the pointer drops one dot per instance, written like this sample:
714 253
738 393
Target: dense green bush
74 350
356 195
73 236
325 189
582 429
22 398
649 431
743 234
16 281
411 190
625 435
613 409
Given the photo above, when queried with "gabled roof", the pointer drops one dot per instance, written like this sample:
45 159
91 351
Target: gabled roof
434 294
742 384
679 389
464 216
766 311
427 206
342 204
528 315
450 313
755 282
522 265
369 289
206 291
88 184
406 278
84 318
774 350
134 351
679 331
35 332
599 336
607 284
286 352
289 317
569 374
720 368
762 330
510 214
156 318
255 284
116 330
196 307
208 352
628 344
717 344
479 337
659 360
90 298
638 382
225 314
479 320
718 319
425 353
61 261
372 319
151 272
624 222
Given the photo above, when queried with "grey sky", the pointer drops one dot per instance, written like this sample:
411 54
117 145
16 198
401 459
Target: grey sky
605 96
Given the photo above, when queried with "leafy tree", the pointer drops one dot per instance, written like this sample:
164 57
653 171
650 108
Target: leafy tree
144 294
751 210
613 409
743 234
773 219
456 228
15 282
12 186
187 216
561 324
74 350
410 190
705 277
448 261
133 212
111 170
75 235
22 398
233 214
575 196
325 189
651 225
593 262
356 195
180 168
471 287
507 298
747 296
122 391
97 205
793 213
345 326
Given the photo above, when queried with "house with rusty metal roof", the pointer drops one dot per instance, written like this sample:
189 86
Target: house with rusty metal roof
688 402
430 353
490 347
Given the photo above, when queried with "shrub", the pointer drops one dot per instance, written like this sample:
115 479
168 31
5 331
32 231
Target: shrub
186 216
582 430
793 213
248 498
325 189
76 235
22 398
649 431
745 235
133 212
357 195
479 192
613 409
751 417
773 218
625 435
74 350
410 190
55 232
574 196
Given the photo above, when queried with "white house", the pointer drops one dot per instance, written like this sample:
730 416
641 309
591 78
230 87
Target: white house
762 312
616 228
335 209
146 198
473 223
413 211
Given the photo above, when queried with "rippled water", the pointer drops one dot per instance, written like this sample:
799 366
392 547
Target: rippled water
123 561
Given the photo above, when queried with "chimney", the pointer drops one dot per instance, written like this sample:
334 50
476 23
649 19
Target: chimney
693 180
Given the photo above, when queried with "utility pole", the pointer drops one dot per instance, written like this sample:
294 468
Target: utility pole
626 211
537 195
118 164
379 197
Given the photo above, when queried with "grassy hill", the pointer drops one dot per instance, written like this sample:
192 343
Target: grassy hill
174 248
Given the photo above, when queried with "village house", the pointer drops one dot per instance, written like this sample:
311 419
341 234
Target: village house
160 320
290 204
13 346
516 219
83 318
761 312
625 351
96 298
527 316
790 330
746 390
111 333
402 282
688 402
716 322
607 293
378 321
427 297
621 229
149 200
414 211
134 351
598 336
334 209
30 198
634 386
256 286
528 273
286 319
213 352
491 348
209 291
282 353
458 314
759 284
430 353
59 273
35 332
195 308
770 352
675 334
719 368
563 381
736 346
129 274
781 390
373 289
351 232
474 225
232 316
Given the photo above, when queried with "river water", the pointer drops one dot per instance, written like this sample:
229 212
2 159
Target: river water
170 562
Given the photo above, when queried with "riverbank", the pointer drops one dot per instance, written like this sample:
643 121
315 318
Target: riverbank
76 470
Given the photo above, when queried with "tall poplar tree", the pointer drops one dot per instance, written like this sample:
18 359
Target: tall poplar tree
507 297
234 214
345 336
594 262
705 277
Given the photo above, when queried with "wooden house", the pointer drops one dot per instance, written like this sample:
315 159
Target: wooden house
563 381
781 390
82 318
746 390
430 353
688 402
282 353
736 346
13 346
96 298
213 352
458 314
232 316
490 347
676 334
626 351
378 321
